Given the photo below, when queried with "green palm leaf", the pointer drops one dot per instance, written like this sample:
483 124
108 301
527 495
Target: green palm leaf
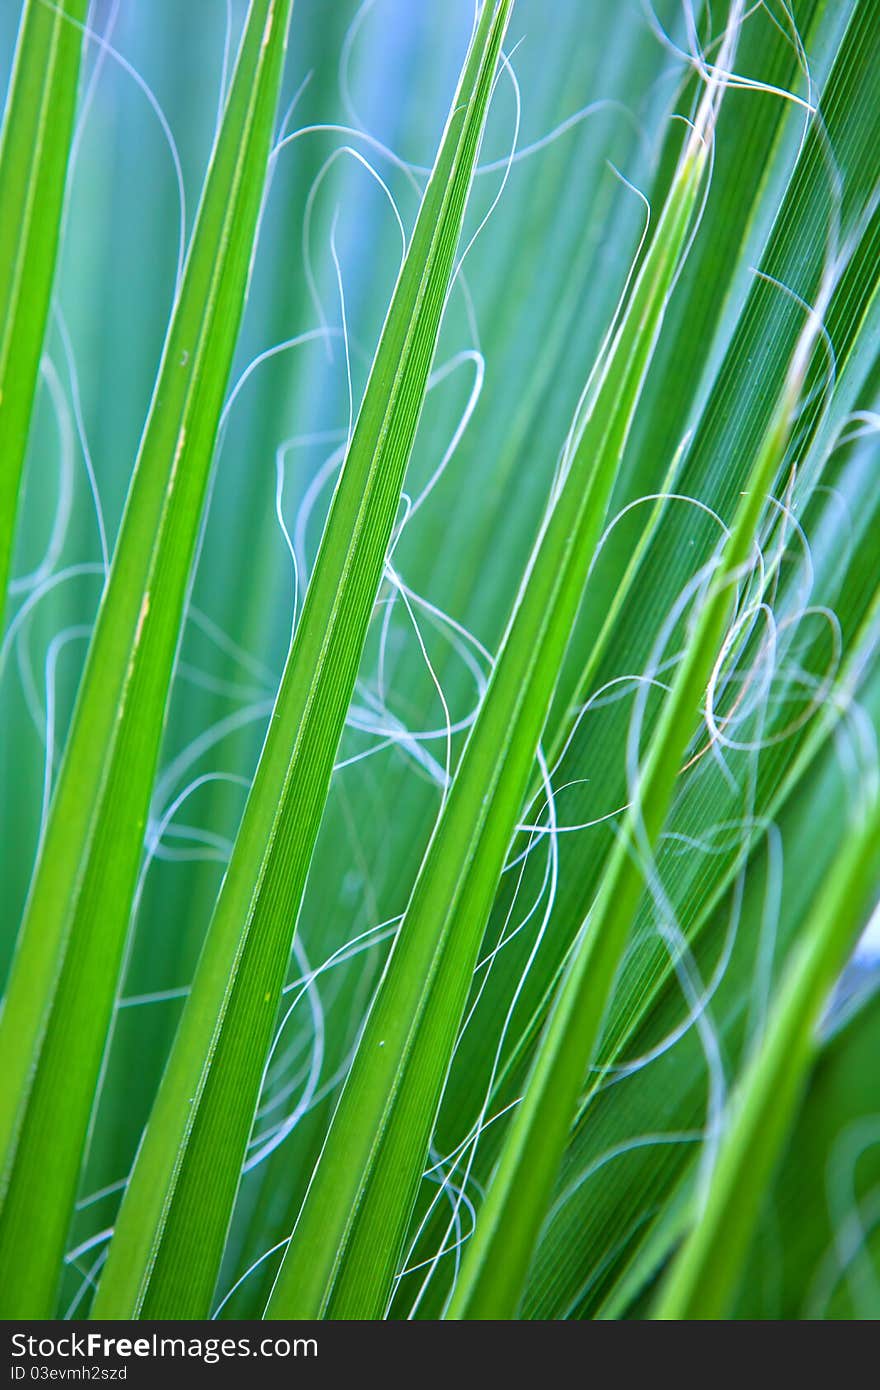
347 1240
445 951
34 149
169 1241
59 1003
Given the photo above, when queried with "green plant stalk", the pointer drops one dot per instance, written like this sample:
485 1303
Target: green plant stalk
498 1255
170 1234
704 1276
34 152
346 1244
59 1006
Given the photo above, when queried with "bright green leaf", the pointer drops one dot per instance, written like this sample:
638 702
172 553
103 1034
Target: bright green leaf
34 149
169 1240
59 1003
498 1256
347 1240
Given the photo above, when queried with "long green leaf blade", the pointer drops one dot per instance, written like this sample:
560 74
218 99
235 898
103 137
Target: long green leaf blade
498 1256
585 1243
169 1238
704 1276
34 150
347 1240
59 1004
592 772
